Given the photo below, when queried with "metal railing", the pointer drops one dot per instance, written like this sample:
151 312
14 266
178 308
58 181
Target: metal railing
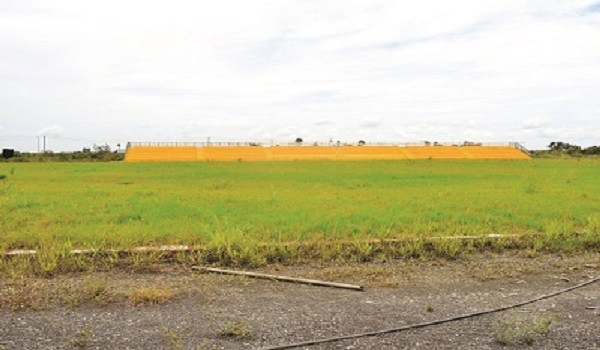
516 145
520 146
193 144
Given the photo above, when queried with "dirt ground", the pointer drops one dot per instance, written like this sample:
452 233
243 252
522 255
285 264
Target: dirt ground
191 310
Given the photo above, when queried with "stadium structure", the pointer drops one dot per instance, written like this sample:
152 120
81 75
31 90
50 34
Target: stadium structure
245 151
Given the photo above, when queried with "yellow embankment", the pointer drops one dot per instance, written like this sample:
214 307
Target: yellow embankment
437 152
157 153
494 152
372 152
303 152
234 153
230 153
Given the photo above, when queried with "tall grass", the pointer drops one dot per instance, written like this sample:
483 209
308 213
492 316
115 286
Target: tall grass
237 207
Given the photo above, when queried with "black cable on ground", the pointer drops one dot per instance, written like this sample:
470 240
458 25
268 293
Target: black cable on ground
432 323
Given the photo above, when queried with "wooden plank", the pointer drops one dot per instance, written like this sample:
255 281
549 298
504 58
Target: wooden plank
280 278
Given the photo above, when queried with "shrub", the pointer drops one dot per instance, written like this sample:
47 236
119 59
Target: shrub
516 329
238 329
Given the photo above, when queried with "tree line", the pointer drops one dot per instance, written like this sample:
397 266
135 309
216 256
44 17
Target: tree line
565 147
98 153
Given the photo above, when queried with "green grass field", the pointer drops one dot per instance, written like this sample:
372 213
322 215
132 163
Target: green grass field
131 204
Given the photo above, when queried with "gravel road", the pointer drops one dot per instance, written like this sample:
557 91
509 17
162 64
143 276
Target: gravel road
204 311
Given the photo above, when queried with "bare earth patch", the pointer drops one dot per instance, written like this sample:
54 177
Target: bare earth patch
188 310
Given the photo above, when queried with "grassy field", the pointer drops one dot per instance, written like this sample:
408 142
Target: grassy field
251 203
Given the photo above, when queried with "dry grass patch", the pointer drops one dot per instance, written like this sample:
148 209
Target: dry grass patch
22 294
93 290
490 267
150 295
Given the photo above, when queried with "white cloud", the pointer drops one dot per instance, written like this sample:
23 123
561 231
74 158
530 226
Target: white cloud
534 123
53 130
446 133
370 123
322 123
288 132
234 70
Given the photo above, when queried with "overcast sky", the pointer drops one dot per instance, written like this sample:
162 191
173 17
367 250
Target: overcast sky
84 72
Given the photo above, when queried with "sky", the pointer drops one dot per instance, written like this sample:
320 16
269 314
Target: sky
95 72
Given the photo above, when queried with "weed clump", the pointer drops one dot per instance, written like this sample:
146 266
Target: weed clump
82 338
174 338
93 290
515 329
237 329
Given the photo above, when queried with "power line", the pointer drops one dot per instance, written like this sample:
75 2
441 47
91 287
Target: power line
432 323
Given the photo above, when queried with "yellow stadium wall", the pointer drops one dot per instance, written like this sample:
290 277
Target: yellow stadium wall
302 152
156 153
234 153
258 153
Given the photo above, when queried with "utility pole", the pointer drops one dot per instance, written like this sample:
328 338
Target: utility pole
44 143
